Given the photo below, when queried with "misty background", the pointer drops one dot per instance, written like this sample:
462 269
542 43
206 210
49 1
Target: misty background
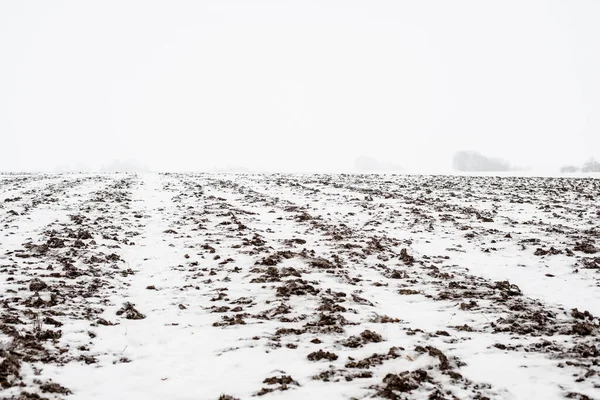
298 86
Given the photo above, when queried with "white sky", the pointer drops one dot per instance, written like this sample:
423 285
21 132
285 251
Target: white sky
297 86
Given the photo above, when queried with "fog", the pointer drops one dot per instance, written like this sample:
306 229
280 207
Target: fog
297 86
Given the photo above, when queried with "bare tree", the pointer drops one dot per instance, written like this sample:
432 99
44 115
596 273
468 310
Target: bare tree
591 166
472 161
568 169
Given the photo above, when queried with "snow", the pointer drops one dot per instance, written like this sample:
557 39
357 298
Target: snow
190 248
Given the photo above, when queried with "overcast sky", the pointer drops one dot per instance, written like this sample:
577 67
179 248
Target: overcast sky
297 86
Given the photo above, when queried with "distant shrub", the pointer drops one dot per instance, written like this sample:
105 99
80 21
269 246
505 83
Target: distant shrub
591 166
568 169
472 161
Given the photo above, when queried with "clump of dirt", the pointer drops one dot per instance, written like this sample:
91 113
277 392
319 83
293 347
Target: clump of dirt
284 381
352 342
585 350
408 292
37 302
297 287
328 323
529 322
507 289
9 369
360 300
586 247
256 241
368 336
469 306
30 396
331 304
463 328
289 331
396 274
48 334
322 355
83 234
55 243
209 248
591 262
321 263
276 258
273 274
303 216
583 329
281 380
237 319
577 396
289 271
542 252
130 311
404 382
435 352
77 219
406 258
53 387
281 309
335 375
52 321
365 337
37 284
575 313
374 359
294 241
384 319
113 257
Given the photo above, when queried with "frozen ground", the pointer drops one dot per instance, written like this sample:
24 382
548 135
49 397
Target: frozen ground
167 286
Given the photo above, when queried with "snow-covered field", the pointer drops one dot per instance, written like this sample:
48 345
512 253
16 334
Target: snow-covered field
200 286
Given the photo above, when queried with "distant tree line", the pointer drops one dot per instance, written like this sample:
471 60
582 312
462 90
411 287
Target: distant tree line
589 166
472 161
